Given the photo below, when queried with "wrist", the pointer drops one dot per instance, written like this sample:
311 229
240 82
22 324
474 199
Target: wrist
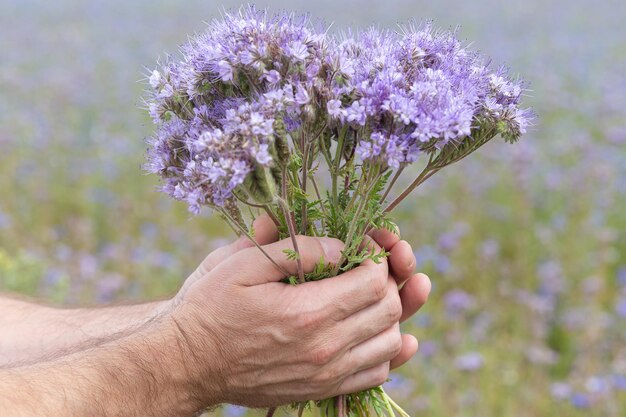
198 355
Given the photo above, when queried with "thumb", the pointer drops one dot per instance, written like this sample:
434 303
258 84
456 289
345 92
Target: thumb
265 232
252 267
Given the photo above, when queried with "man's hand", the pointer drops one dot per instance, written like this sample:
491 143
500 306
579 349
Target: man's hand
279 343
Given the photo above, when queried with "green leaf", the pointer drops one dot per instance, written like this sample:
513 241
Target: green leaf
292 255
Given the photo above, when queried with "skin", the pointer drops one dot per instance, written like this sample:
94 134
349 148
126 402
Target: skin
232 334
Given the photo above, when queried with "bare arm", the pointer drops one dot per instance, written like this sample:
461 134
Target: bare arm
141 374
31 332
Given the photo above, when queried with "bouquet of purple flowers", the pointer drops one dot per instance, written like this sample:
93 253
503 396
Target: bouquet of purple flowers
271 114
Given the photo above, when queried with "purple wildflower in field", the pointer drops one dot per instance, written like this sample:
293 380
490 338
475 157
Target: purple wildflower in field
618 382
551 277
541 355
561 390
108 286
598 385
428 348
580 400
450 240
490 248
620 307
234 410
458 301
5 220
399 385
428 254
471 361
621 276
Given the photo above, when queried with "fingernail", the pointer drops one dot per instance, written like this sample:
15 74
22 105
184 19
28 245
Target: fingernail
332 249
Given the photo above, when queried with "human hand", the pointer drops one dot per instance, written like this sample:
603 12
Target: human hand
278 343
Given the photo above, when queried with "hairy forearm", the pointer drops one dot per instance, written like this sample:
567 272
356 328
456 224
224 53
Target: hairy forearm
142 374
30 332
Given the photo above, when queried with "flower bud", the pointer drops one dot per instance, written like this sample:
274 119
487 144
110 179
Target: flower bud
260 185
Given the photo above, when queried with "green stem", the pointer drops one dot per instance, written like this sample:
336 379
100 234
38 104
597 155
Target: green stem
387 403
423 176
291 227
341 406
337 162
392 183
301 409
357 193
305 176
397 407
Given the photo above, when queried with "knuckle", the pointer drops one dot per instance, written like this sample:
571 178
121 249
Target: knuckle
395 345
310 249
381 375
302 240
323 355
308 322
328 377
394 310
328 387
378 285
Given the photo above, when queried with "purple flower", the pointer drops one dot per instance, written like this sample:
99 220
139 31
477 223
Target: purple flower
155 79
458 301
5 220
598 385
561 390
469 362
356 113
225 70
272 77
551 275
302 96
580 400
108 287
262 155
621 276
541 355
620 307
234 410
334 108
619 382
297 50
428 348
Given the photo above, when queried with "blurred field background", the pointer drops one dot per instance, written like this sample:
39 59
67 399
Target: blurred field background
525 244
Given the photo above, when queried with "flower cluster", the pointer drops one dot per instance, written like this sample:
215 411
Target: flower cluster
399 94
421 90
